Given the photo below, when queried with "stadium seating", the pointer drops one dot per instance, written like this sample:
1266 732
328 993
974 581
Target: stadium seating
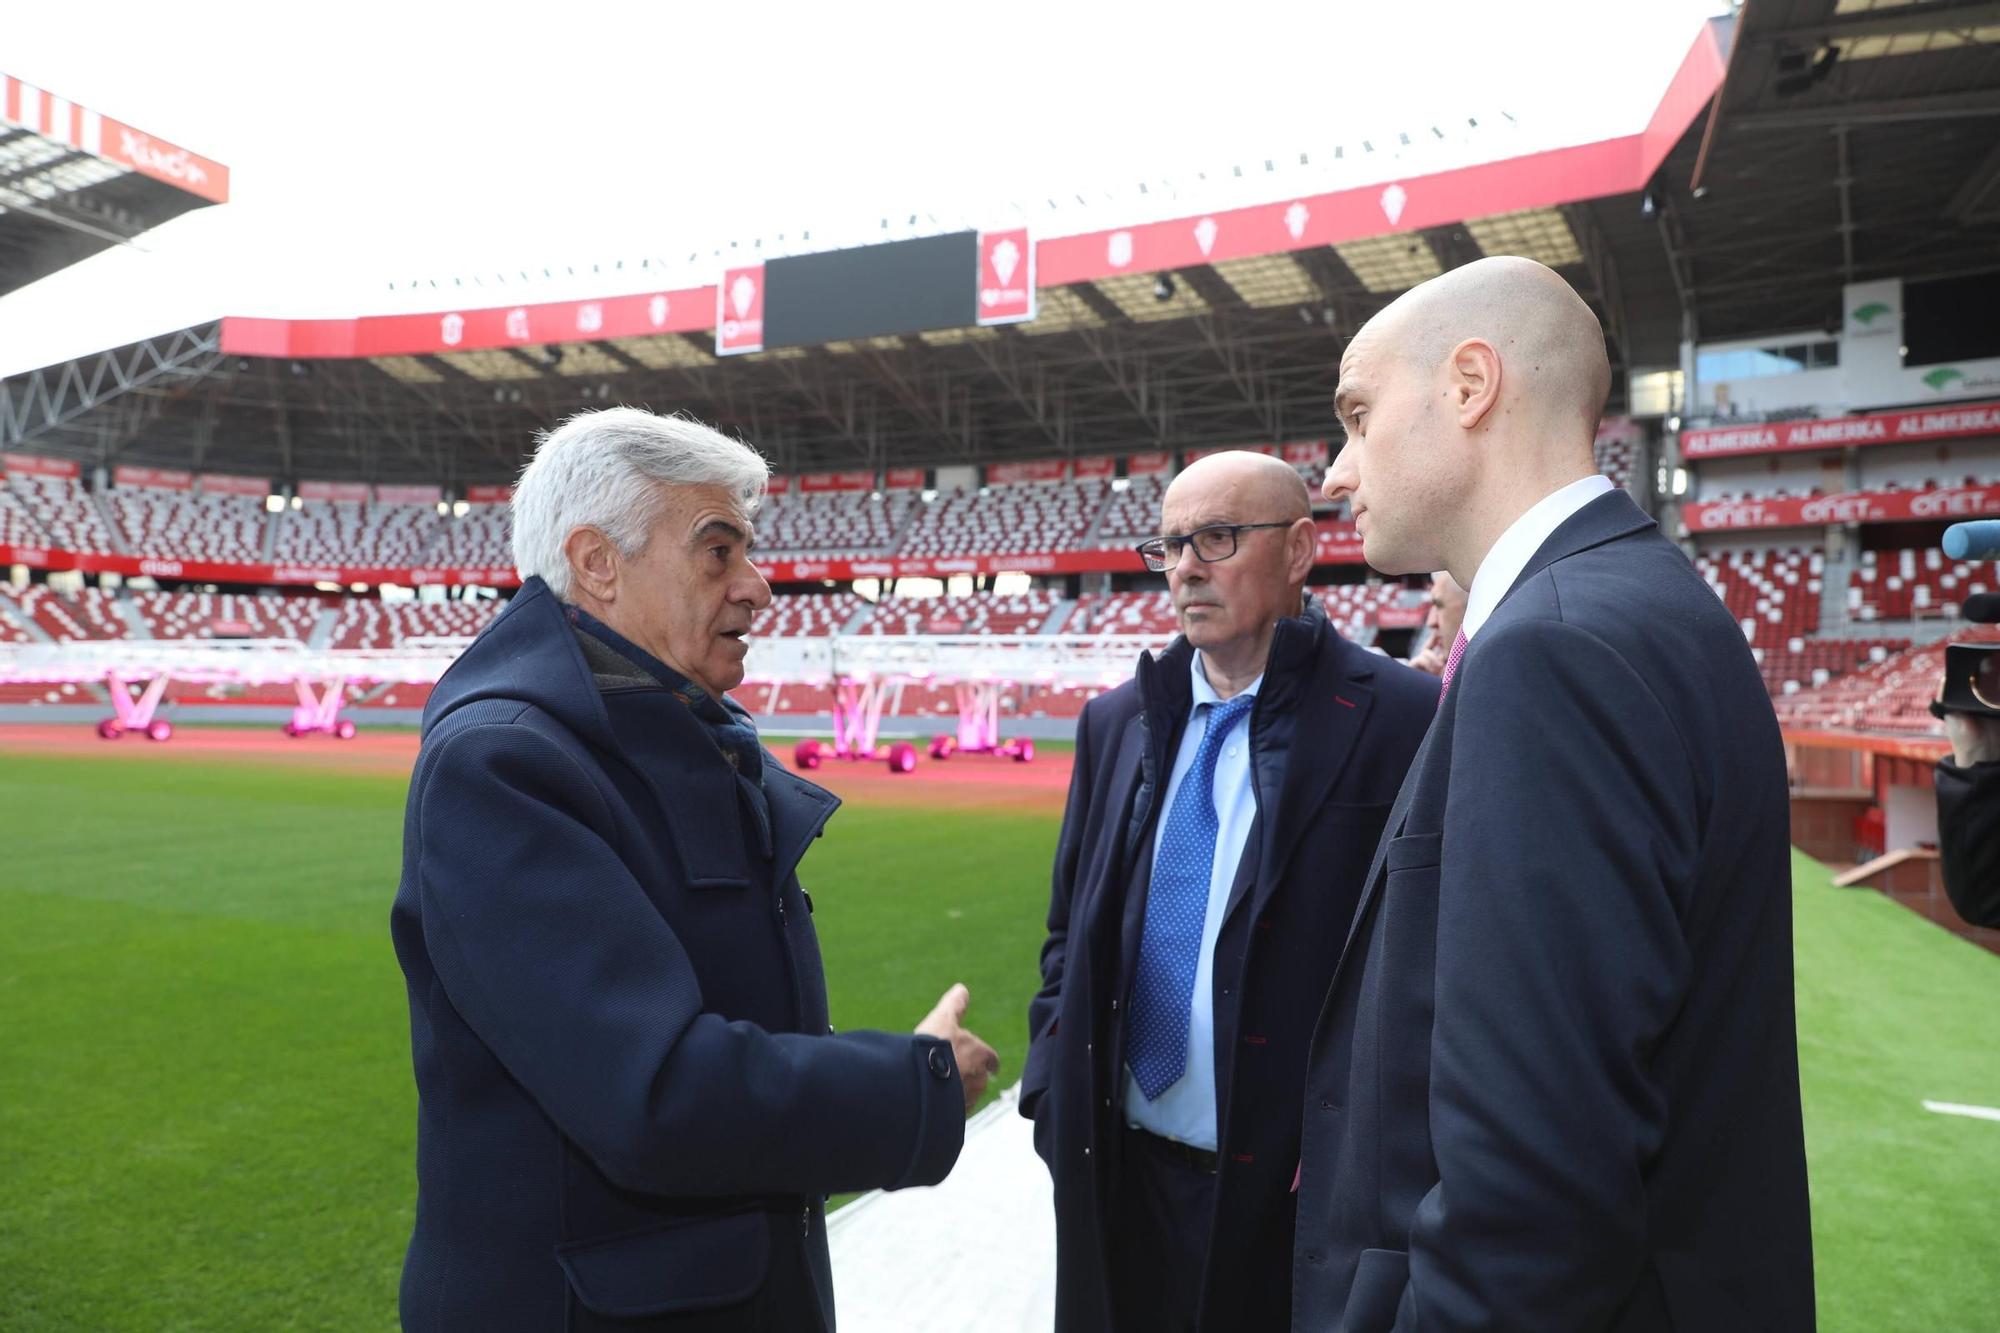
59 514
1615 458
984 614
1774 595
17 527
340 532
1150 613
482 539
1131 515
1030 516
791 617
68 618
840 523
189 615
1809 663
1891 695
1352 607
180 525
1902 585
365 622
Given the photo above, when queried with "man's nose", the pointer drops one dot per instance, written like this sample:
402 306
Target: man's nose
755 589
1342 477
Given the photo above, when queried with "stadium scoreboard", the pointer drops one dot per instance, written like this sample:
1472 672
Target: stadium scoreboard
936 282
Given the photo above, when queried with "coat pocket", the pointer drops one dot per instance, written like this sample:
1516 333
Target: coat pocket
700 1264
1379 1279
1414 851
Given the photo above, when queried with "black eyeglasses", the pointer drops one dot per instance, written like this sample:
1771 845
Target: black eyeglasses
1212 543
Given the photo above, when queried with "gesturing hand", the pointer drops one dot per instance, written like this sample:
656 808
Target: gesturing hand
977 1061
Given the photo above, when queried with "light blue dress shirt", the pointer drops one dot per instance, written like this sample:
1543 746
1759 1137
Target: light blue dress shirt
1186 1111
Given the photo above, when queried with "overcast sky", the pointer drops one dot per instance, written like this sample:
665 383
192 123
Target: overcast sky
372 143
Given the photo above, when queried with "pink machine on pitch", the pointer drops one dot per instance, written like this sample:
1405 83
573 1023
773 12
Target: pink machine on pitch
137 674
863 672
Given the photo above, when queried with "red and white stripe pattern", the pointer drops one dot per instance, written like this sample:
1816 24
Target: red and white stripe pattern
42 112
55 118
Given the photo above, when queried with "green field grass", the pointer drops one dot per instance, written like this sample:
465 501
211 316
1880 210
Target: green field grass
206 1110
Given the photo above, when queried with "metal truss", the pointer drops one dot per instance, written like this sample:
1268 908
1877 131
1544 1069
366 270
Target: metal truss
43 401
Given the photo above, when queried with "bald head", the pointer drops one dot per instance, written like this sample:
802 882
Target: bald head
1551 346
1239 479
1466 401
1245 572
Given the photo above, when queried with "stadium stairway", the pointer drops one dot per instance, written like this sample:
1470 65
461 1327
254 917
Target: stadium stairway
114 534
128 611
1835 575
1057 617
268 550
321 636
12 615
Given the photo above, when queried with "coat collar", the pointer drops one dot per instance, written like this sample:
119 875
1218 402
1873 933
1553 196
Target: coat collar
530 654
1310 711
1605 519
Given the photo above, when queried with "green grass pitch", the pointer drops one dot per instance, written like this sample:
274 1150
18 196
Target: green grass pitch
206 1110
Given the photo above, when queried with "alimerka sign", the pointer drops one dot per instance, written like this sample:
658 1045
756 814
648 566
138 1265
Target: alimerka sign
1931 423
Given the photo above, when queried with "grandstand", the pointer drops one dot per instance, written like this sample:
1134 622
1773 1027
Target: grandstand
1761 407
181 525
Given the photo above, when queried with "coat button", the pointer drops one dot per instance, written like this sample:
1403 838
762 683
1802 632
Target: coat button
940 1062
1114 1006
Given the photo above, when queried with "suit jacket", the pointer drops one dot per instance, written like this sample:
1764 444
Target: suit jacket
1331 733
630 1107
1968 805
1555 1085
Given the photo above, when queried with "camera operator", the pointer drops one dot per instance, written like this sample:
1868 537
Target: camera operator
1968 780
1968 797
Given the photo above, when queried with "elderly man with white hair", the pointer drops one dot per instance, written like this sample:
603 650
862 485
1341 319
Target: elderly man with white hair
631 1107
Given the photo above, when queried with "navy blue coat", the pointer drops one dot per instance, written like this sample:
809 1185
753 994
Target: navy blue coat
631 1108
1331 735
1556 1082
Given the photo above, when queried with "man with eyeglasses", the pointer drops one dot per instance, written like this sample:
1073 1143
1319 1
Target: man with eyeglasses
1221 815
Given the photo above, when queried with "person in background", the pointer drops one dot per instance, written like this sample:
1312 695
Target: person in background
1447 603
1221 813
1968 812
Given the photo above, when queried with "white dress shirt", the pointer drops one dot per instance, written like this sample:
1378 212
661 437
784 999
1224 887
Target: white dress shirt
1186 1111
1518 544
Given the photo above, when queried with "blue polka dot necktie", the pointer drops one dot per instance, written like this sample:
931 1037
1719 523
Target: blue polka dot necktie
1156 1035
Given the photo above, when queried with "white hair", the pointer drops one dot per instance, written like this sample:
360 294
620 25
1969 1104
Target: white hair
598 469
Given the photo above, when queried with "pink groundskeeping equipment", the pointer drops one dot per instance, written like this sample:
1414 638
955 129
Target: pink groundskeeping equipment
137 672
862 671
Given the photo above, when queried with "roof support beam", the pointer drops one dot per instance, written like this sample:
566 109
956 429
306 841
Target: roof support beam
1978 199
1936 16
1891 111
44 400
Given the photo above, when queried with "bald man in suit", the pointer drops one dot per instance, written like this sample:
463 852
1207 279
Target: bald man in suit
1555 1082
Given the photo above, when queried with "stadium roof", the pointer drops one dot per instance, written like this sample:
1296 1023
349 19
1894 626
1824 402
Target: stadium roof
1725 213
1851 140
73 183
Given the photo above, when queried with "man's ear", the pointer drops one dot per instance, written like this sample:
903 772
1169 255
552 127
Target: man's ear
594 564
1300 540
1474 371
